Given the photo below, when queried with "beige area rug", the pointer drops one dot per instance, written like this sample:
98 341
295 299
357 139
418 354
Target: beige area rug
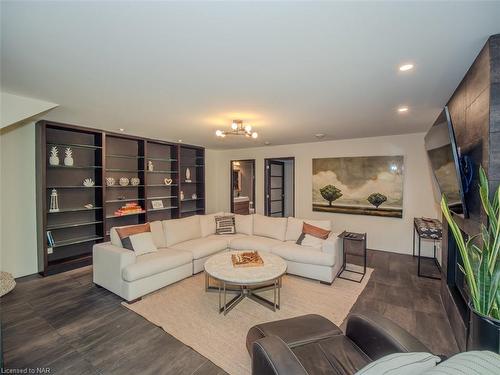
191 315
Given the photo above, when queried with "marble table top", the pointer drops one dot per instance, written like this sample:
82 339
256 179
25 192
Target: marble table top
220 267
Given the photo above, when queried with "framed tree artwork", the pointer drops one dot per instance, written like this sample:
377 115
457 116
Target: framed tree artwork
368 185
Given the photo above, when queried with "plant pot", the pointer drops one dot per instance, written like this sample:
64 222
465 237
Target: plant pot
484 332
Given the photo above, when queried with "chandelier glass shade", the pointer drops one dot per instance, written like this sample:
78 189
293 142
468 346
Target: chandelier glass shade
238 128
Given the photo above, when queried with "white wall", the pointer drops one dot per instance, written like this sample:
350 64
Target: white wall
18 200
15 108
390 234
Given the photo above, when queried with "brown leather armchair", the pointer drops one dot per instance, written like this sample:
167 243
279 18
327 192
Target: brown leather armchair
311 344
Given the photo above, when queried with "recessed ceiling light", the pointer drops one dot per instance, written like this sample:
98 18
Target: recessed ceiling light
121 129
403 109
406 67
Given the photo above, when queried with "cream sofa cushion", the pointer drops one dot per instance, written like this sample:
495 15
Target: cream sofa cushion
272 227
158 234
244 224
142 243
207 223
254 243
180 230
226 237
294 227
202 247
301 254
152 263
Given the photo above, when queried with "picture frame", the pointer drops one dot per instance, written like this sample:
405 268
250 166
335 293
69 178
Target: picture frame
157 204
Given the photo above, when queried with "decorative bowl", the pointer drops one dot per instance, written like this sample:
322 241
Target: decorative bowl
135 181
124 181
110 181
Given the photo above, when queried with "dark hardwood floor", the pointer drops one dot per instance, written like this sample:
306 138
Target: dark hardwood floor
65 323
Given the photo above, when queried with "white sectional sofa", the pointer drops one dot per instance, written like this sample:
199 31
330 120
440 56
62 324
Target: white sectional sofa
185 244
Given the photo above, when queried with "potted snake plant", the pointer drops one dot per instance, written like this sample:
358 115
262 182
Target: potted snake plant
481 267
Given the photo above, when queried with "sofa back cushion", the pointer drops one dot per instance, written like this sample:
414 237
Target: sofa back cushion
244 224
295 226
272 227
158 234
207 223
180 230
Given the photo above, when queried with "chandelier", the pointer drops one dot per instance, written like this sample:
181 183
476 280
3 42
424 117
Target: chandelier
237 128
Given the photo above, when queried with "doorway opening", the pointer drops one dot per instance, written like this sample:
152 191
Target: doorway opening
280 186
243 186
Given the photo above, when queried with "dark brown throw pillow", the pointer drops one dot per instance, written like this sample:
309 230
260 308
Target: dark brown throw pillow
125 232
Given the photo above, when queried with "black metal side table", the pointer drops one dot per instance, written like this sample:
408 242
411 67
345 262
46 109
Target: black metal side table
353 244
426 229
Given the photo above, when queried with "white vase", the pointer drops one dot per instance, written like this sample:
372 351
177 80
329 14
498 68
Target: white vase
182 195
54 160
68 161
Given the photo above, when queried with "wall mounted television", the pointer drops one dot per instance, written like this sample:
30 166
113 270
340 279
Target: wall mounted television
451 170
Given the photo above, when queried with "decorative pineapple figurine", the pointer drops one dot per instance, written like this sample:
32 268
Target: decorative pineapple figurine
54 159
68 160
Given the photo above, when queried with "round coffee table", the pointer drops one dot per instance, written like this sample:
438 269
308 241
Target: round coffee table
245 281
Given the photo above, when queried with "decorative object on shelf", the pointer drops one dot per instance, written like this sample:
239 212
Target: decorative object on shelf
68 159
157 204
128 209
110 181
237 128
50 239
89 206
54 159
168 181
182 195
194 196
7 283
123 181
188 175
481 269
88 182
354 185
54 204
151 166
135 181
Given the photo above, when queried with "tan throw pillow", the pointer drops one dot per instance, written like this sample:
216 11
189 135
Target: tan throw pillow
312 233
315 231
125 232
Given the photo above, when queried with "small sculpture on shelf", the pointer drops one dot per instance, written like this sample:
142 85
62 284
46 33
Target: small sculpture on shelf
168 181
188 175
54 158
89 206
124 181
135 181
68 160
151 167
88 182
110 181
182 195
194 196
54 204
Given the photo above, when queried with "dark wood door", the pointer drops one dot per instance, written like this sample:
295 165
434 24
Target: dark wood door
275 196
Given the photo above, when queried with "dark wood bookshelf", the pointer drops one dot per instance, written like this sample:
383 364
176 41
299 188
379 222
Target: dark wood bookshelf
98 154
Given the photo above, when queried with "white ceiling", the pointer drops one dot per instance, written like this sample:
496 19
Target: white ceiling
182 70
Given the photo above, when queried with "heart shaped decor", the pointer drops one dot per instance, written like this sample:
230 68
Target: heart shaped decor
168 181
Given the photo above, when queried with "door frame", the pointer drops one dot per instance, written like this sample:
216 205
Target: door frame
231 192
267 193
